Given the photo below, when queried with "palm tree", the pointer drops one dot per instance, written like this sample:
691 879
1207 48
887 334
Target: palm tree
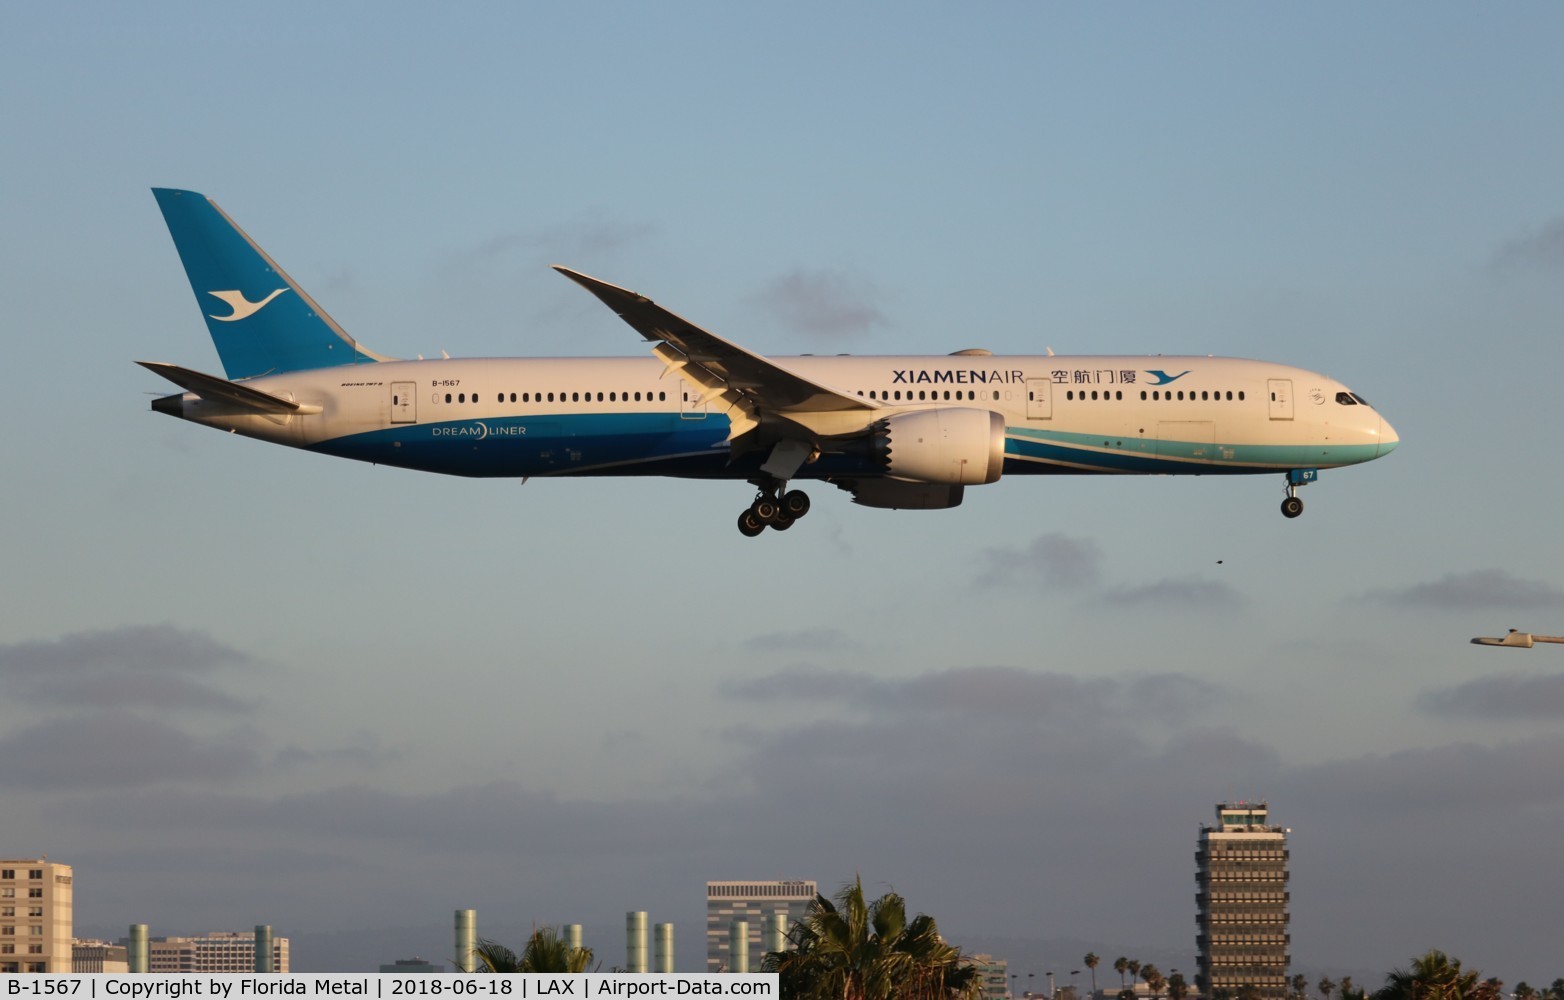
1120 964
1134 966
1434 976
1091 963
1178 989
546 950
858 950
1299 984
1154 979
1326 986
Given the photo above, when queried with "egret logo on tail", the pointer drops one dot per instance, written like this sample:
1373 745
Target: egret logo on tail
241 306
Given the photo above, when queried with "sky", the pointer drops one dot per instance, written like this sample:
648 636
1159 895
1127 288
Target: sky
244 684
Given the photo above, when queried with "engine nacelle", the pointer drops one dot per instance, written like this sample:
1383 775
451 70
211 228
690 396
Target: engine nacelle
958 446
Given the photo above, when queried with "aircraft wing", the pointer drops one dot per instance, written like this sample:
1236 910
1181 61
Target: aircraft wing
233 393
755 385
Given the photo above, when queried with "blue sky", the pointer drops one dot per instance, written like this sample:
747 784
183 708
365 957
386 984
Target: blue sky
353 697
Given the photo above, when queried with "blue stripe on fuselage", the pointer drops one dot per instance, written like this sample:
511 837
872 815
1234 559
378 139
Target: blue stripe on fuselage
666 444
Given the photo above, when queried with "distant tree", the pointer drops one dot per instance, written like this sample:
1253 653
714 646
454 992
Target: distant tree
1134 970
1249 991
1525 991
546 950
1434 976
853 949
1299 984
1154 979
1091 961
1178 989
1126 994
1121 964
1326 986
1346 986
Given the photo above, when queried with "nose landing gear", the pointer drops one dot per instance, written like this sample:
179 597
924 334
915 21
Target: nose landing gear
1292 506
773 508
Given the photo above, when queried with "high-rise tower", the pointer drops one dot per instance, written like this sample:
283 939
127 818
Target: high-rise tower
1243 897
752 902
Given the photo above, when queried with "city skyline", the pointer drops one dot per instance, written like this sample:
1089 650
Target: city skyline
248 684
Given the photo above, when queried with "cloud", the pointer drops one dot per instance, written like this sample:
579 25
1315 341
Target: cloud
986 694
135 665
1508 696
809 640
138 648
1182 594
802 684
823 303
581 239
1478 589
1089 789
119 690
116 750
1540 251
1050 562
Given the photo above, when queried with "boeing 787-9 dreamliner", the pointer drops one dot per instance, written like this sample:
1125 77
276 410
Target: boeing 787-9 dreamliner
905 432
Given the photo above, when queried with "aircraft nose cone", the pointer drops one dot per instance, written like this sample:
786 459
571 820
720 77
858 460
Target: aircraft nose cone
1388 439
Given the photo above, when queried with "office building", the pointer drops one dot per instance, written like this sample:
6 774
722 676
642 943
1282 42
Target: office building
752 902
995 973
35 916
88 955
221 951
1243 903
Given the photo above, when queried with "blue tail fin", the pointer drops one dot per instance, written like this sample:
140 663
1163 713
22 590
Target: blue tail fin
261 321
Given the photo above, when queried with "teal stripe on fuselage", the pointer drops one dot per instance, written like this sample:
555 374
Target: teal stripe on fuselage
1032 451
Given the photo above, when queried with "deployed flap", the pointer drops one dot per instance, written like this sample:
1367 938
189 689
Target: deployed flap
897 494
213 388
724 370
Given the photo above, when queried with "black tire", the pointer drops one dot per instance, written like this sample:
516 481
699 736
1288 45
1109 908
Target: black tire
750 525
795 503
1292 507
765 509
781 522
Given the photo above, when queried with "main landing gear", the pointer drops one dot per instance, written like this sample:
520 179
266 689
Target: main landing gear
773 509
1292 506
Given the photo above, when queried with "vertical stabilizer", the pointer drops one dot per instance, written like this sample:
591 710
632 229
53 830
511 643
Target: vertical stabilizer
260 319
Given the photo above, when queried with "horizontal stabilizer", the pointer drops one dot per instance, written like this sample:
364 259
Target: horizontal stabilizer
221 390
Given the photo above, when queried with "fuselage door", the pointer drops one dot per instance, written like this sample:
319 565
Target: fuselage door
690 405
1281 398
404 403
1039 404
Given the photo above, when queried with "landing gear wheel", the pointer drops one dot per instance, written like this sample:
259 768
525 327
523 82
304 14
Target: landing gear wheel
750 525
1292 507
765 509
795 503
782 521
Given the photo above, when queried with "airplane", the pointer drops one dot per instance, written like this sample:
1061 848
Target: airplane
908 432
1516 640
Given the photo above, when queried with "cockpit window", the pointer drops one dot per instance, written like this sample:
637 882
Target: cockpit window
1346 399
1360 399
